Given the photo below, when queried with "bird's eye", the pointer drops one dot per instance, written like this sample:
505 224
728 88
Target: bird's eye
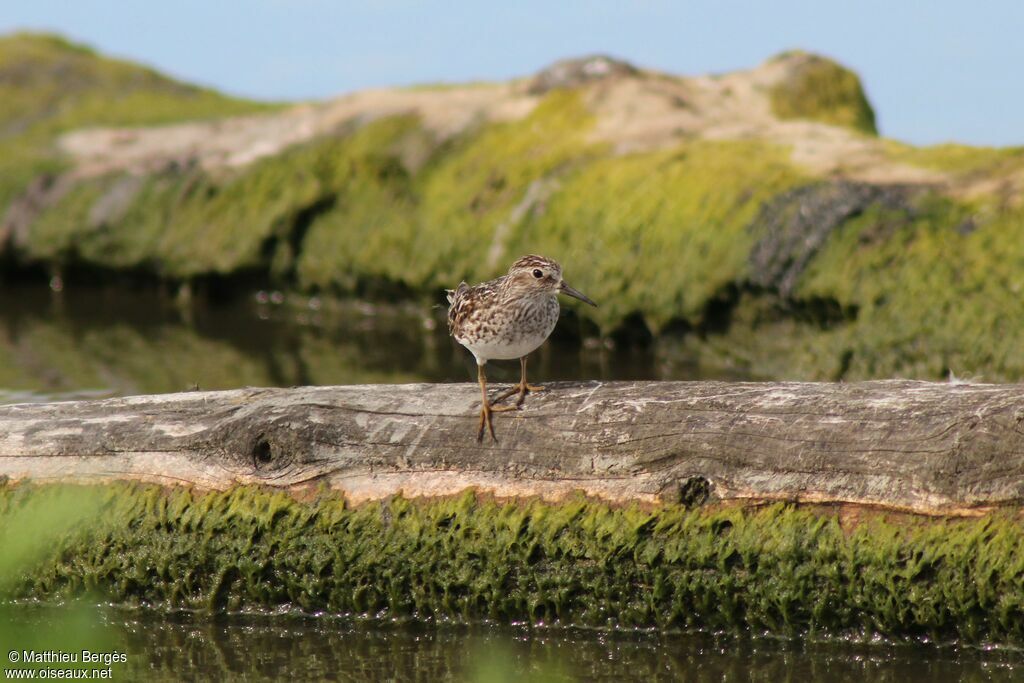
537 273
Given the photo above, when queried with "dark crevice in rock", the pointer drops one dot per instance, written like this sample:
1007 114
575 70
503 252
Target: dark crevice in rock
81 272
221 288
719 313
823 312
42 193
633 332
280 251
13 271
796 225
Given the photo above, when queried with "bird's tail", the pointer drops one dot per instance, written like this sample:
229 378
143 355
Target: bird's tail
454 294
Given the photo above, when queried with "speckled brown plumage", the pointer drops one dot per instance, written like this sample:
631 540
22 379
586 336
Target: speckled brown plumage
508 317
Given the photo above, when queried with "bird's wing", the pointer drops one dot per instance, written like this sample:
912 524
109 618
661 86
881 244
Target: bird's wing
468 302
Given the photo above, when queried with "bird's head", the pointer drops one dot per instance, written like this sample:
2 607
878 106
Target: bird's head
541 275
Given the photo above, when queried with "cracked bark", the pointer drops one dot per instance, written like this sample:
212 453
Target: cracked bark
915 446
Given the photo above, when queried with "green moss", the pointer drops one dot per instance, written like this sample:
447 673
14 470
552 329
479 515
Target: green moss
665 231
919 290
958 159
662 233
932 291
474 188
777 569
821 90
662 236
49 86
192 223
367 233
435 228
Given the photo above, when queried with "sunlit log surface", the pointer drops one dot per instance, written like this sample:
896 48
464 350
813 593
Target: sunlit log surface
934 448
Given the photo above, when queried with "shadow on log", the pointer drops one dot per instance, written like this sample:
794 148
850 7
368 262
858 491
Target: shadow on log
915 446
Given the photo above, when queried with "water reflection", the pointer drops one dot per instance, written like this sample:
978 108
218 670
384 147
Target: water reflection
174 647
105 342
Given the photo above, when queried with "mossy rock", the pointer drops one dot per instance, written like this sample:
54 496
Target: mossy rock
189 223
658 235
676 238
49 85
818 89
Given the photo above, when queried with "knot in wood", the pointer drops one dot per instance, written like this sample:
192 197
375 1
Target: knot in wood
259 445
262 452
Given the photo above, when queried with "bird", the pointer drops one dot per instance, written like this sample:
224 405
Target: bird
508 318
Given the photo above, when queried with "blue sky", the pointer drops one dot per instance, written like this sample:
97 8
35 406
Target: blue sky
936 71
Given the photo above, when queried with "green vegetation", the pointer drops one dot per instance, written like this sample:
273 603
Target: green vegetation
683 228
778 569
660 239
927 291
821 90
49 86
29 532
190 224
662 233
933 290
359 212
961 160
435 229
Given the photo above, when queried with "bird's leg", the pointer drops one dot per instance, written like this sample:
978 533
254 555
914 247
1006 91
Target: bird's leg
522 388
527 387
487 408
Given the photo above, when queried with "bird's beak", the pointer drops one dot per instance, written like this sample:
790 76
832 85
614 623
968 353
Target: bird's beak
566 289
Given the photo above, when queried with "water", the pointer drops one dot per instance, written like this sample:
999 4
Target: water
106 342
160 647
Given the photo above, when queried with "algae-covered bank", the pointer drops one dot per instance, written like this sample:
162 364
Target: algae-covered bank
777 569
756 214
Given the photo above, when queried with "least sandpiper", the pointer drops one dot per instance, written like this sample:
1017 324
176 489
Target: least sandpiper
507 318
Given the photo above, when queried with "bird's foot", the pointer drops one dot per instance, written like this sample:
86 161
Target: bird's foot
521 389
485 419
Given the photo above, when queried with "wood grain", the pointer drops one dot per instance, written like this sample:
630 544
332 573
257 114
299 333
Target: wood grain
934 448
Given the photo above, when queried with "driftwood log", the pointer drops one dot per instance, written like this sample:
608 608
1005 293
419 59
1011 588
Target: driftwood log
915 446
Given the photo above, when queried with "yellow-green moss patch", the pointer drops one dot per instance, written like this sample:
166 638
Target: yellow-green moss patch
932 291
777 569
958 159
660 234
49 86
185 224
821 90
